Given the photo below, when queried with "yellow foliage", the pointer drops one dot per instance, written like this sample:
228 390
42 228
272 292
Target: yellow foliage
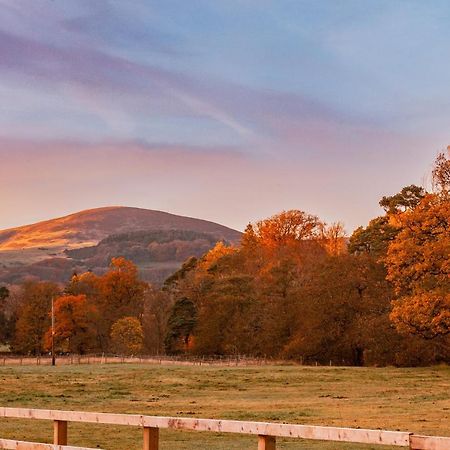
212 257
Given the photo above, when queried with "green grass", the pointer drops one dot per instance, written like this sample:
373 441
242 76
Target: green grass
416 400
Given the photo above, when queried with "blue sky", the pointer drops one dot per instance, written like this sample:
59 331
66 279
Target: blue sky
225 110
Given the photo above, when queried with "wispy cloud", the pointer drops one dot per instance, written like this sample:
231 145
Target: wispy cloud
299 102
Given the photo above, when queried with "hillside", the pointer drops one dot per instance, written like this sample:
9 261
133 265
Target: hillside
157 241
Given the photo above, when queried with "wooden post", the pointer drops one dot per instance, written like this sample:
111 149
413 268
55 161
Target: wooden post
151 438
53 332
60 432
266 442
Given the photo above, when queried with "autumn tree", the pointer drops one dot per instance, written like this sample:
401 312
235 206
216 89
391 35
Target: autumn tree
441 173
87 284
4 294
157 308
179 276
116 294
419 268
341 313
334 238
285 227
225 319
121 290
34 318
127 336
75 327
291 290
242 294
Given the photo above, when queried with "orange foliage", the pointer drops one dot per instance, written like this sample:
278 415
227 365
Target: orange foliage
122 293
419 267
116 294
211 258
334 239
286 227
74 324
425 314
33 319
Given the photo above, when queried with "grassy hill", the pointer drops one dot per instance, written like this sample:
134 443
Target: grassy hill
158 242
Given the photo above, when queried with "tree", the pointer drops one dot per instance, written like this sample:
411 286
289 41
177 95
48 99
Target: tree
242 295
87 284
424 314
334 238
157 308
441 173
121 290
186 268
373 239
127 336
341 313
419 267
298 295
285 227
180 326
118 293
406 200
381 231
75 329
4 294
34 318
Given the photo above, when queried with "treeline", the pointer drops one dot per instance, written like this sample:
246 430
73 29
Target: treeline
294 288
89 312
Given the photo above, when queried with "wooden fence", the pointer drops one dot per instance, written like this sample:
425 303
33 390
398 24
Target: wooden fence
10 444
266 432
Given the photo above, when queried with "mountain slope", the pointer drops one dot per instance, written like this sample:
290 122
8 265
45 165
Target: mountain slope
156 241
91 226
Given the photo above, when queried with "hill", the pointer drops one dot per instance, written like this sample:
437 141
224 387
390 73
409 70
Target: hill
157 241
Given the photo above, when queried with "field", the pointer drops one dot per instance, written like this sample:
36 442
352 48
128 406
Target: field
416 400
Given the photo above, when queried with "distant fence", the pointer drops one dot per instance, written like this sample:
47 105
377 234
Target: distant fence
18 360
266 432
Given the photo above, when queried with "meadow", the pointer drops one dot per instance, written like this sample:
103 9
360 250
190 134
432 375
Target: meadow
414 399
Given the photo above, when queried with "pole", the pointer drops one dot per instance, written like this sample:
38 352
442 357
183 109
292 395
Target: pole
53 333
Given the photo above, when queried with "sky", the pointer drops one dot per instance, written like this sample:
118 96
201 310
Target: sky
226 110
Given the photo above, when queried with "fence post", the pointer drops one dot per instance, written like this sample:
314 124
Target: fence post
151 438
60 432
266 442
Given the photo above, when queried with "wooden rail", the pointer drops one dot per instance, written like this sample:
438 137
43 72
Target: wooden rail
9 444
267 432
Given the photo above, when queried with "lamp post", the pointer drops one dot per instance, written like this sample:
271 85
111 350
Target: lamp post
53 333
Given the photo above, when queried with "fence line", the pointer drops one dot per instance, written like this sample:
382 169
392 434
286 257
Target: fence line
18 360
266 432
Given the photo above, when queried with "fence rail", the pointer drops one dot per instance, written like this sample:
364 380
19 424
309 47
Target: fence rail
267 432
9 444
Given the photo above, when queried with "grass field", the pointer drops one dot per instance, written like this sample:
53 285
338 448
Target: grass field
416 400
